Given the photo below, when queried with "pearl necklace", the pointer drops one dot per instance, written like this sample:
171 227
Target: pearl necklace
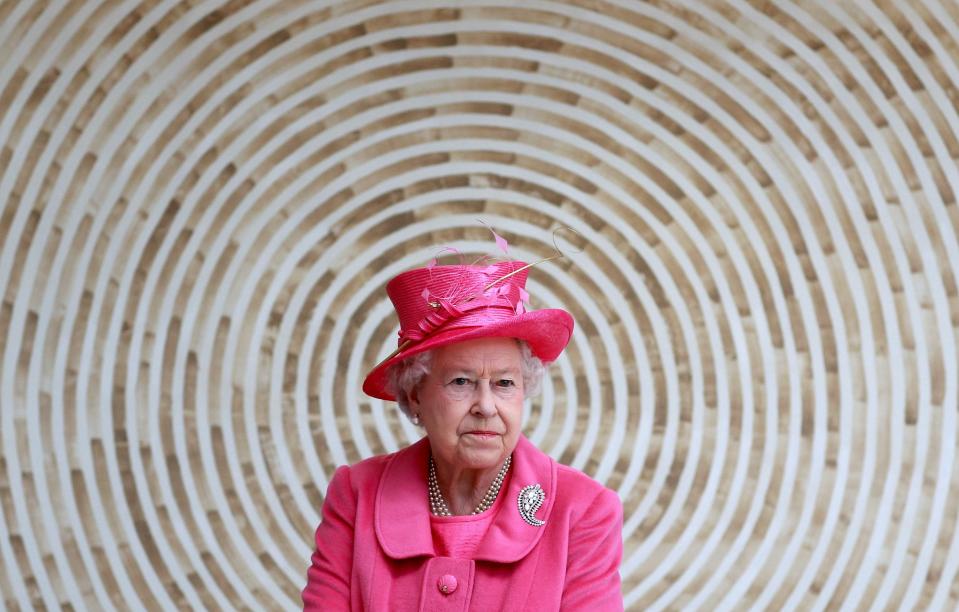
438 504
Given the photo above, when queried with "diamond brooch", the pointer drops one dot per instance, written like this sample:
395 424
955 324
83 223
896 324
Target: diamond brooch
529 501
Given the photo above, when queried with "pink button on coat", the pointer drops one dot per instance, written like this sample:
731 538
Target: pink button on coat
374 548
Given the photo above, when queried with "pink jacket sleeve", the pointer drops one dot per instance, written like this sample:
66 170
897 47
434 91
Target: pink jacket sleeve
328 577
595 552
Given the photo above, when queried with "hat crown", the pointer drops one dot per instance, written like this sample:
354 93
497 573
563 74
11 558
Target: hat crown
417 294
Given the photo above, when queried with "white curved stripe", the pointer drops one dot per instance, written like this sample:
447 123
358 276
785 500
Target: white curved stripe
161 465
935 288
211 540
840 463
898 395
12 459
870 389
45 586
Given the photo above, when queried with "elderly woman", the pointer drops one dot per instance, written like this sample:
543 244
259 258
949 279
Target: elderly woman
473 516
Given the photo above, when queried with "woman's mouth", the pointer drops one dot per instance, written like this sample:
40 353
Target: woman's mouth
483 434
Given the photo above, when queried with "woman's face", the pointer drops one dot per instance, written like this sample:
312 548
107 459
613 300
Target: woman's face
471 402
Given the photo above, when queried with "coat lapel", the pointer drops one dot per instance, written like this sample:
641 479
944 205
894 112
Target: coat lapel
510 538
402 513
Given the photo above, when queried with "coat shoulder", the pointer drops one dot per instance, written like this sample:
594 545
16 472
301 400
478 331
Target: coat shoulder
364 474
579 492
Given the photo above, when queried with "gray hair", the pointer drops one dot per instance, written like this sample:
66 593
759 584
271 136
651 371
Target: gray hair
404 376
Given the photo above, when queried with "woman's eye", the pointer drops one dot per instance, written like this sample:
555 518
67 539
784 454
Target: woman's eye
505 382
460 381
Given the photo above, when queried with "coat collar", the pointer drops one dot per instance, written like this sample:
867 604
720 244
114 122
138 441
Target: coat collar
402 513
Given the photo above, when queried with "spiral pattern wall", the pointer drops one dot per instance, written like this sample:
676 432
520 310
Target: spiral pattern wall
202 202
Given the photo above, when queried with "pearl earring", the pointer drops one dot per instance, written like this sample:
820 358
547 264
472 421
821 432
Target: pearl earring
415 418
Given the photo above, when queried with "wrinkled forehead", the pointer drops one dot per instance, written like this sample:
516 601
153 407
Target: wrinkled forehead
481 355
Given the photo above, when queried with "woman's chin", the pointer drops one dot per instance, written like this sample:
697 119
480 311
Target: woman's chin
482 455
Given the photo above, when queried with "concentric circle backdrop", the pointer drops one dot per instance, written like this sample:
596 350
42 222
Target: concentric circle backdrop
202 202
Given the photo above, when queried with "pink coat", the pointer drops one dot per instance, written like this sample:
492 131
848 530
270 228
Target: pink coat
374 546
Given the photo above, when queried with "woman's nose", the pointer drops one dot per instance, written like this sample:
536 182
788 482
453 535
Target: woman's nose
484 401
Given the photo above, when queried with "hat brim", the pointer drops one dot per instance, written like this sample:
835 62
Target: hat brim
547 332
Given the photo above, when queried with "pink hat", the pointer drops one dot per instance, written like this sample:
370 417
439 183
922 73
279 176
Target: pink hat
440 305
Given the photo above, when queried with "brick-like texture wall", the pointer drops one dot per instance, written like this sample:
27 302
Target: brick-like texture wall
202 201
